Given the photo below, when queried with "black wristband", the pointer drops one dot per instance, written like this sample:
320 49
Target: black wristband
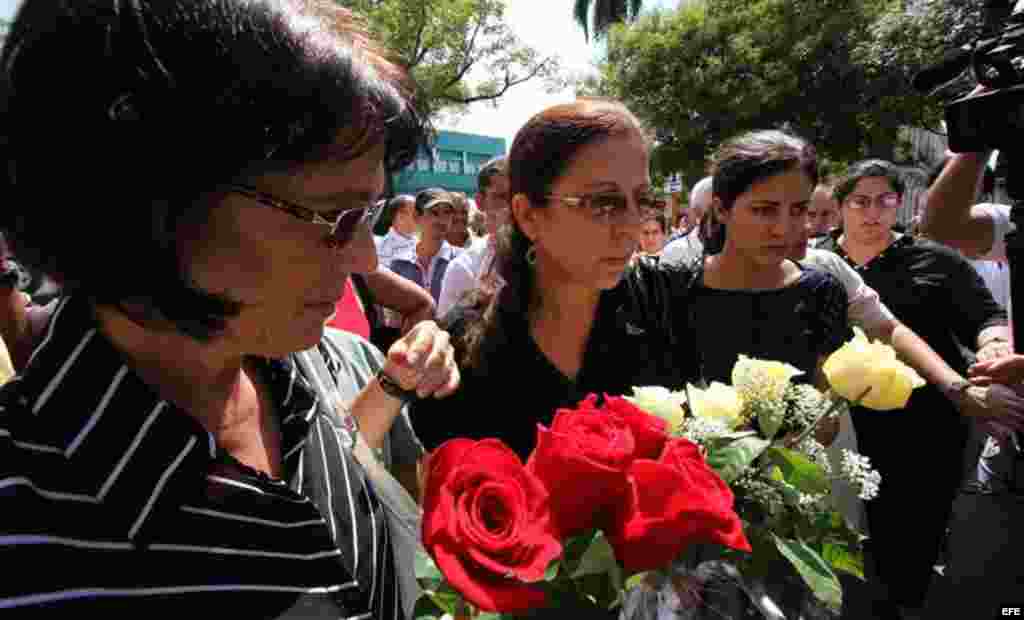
392 389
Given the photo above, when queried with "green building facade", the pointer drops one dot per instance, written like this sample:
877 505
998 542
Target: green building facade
452 165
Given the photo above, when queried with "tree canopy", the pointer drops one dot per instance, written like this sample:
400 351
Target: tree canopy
458 51
835 71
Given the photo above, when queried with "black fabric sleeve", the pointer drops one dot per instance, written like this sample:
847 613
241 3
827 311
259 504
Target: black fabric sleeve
976 308
832 305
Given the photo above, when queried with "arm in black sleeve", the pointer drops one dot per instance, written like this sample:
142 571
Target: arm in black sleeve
975 307
833 304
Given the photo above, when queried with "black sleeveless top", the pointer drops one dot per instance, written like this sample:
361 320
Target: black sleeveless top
795 324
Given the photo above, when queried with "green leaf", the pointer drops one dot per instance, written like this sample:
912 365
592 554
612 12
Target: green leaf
789 492
799 471
732 435
427 573
816 572
731 459
636 580
448 602
552 572
598 559
842 558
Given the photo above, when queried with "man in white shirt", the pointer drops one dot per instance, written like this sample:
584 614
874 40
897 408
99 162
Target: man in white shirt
427 262
689 249
401 237
474 269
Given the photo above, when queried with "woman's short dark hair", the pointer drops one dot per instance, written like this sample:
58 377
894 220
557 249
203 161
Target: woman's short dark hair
757 155
745 160
866 169
118 118
432 194
542 151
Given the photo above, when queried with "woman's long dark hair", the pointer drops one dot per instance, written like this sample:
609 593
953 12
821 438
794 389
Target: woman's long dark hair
541 153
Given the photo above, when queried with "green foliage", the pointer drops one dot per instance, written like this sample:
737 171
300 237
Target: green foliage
458 51
823 68
798 470
732 459
817 574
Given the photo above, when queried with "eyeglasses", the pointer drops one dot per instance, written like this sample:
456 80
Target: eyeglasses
888 200
342 228
611 207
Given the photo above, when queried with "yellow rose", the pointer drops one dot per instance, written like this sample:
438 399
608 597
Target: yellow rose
719 402
861 364
762 380
661 402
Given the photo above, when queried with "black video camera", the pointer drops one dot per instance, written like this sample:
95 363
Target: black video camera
993 119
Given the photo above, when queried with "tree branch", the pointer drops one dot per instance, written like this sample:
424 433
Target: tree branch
469 61
420 52
509 83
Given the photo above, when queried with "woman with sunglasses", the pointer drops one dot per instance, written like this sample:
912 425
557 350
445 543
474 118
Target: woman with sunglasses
186 436
936 293
575 316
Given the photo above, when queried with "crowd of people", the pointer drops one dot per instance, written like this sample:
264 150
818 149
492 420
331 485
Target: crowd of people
221 386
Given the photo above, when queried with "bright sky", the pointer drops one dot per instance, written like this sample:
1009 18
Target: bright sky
546 25
7 8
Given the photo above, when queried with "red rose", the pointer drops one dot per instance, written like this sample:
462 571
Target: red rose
650 432
487 524
582 460
674 502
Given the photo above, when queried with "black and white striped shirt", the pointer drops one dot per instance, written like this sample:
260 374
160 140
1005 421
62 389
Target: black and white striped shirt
114 500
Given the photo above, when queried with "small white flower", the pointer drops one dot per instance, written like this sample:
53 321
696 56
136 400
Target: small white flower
856 469
762 380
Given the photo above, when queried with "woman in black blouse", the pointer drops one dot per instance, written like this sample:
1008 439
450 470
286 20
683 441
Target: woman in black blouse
576 316
919 450
747 297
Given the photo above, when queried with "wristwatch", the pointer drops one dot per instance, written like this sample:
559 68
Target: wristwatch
394 390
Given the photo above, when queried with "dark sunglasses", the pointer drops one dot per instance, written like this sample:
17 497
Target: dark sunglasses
343 227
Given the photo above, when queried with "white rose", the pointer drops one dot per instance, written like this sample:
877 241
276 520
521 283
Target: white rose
719 402
661 402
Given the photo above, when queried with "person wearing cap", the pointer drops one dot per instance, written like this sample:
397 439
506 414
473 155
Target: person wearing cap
426 265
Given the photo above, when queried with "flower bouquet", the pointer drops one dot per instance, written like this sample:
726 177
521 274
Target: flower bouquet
763 435
622 496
